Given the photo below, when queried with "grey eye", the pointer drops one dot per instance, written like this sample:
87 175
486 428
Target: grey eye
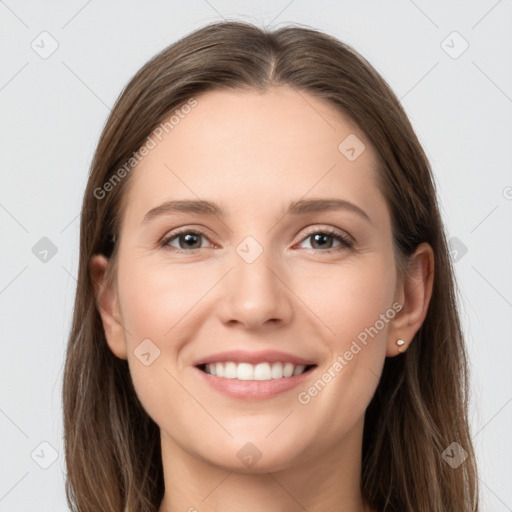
186 240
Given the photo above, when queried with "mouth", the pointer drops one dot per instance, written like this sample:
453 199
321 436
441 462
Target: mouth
254 382
263 371
254 375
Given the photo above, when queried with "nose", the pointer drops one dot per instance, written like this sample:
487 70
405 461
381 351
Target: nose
255 295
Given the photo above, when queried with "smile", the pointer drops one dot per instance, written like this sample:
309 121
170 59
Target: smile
260 371
258 382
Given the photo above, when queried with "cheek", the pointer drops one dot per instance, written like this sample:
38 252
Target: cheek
349 298
160 303
156 298
354 305
155 302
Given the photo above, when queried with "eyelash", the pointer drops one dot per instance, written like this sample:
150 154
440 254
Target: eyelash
346 242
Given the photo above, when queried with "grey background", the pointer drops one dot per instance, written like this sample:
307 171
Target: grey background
53 110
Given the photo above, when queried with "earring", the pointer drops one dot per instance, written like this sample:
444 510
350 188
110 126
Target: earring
400 343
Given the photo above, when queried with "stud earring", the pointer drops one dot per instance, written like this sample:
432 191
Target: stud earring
400 343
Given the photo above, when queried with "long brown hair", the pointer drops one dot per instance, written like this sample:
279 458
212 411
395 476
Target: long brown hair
420 406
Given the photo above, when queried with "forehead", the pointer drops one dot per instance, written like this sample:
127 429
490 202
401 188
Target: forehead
244 145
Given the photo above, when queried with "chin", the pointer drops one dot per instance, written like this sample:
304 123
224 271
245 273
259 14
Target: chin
253 456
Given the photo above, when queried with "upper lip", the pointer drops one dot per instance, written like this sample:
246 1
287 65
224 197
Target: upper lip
240 356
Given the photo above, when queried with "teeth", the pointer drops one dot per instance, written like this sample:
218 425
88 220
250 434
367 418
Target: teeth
230 370
260 371
288 370
299 369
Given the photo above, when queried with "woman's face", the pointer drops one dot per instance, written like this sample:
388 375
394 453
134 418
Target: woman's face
296 265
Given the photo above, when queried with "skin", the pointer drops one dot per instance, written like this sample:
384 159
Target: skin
253 153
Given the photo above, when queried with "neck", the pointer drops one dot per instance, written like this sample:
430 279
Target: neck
327 481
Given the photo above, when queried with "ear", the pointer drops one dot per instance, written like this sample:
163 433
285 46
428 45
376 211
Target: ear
414 292
107 304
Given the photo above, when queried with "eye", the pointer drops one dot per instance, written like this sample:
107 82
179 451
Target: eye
188 240
322 239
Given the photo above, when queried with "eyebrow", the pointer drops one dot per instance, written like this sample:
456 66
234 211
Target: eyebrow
300 207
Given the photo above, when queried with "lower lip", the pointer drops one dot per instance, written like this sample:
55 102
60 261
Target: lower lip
254 389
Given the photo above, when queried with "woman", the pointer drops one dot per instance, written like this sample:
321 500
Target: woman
265 316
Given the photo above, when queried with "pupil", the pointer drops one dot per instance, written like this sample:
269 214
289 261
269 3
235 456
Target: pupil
190 237
321 236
